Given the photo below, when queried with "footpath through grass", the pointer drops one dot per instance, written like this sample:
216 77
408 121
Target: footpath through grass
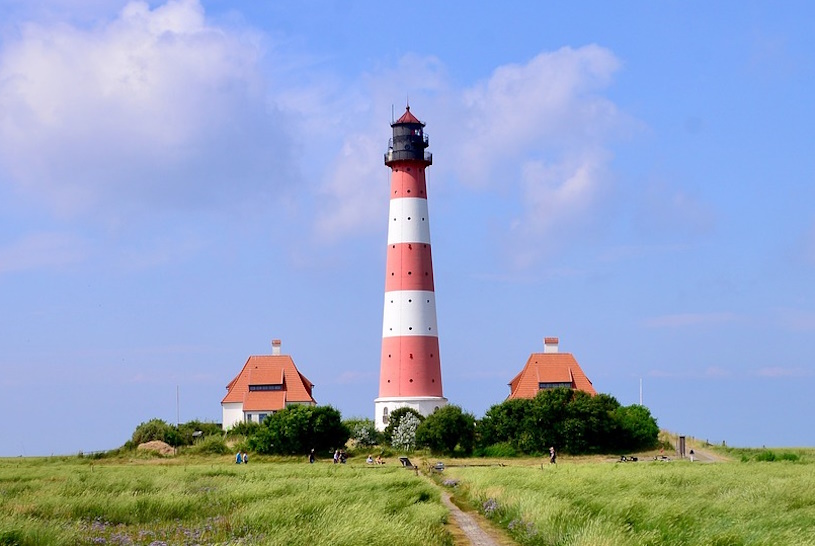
73 501
646 503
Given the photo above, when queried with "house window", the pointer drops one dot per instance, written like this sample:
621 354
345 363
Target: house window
385 415
553 385
261 417
248 417
278 387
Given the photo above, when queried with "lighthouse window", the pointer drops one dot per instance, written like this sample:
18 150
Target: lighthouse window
408 191
411 381
410 273
410 301
408 217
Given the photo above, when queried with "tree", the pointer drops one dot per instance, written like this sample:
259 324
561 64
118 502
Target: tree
571 421
404 435
394 418
363 431
297 429
445 429
504 423
638 429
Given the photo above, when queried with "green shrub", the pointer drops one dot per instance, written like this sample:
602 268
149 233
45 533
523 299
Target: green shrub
244 428
153 430
394 419
766 456
502 449
446 429
297 430
209 445
363 431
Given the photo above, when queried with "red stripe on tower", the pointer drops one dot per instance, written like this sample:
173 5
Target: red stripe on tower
410 368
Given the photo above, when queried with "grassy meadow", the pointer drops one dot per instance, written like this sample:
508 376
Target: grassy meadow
214 501
753 499
647 502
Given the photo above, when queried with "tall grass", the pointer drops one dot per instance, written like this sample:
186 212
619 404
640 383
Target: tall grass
647 503
214 501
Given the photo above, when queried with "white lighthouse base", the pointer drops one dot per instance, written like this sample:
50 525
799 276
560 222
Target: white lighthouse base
425 405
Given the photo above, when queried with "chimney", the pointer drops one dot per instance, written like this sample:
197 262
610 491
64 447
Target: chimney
550 344
275 347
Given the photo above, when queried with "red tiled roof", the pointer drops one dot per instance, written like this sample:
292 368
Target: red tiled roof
269 370
407 117
549 368
264 400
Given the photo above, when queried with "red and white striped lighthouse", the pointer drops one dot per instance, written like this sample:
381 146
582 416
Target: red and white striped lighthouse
410 369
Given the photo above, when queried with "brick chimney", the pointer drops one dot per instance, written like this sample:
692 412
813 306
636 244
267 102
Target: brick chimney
276 347
550 345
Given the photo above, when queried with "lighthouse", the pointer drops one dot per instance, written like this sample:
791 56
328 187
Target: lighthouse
410 367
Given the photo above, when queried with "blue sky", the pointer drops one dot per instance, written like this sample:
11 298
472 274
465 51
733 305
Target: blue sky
183 181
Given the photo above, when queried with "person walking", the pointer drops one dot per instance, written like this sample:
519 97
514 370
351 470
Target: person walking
552 456
311 457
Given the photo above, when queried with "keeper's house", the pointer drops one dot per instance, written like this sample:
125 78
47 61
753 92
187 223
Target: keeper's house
266 384
548 370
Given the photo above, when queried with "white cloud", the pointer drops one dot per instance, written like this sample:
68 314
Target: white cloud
546 108
538 130
156 108
42 250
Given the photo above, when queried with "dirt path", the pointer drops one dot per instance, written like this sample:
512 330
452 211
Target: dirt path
473 533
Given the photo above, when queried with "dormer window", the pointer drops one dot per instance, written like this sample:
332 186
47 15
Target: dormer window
553 385
278 387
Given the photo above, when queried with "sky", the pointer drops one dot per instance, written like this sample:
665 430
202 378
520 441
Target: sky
183 181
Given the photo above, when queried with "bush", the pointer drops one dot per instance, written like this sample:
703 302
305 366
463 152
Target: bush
363 432
404 435
446 429
244 428
571 421
502 449
152 430
393 421
209 445
182 435
638 429
296 430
